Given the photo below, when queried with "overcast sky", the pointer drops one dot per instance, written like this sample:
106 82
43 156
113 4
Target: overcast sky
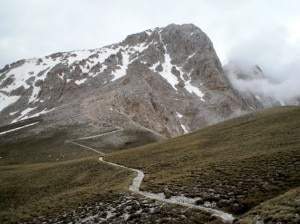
265 32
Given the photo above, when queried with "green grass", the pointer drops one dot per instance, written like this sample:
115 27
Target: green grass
238 164
282 209
40 149
32 190
247 166
37 144
41 175
119 140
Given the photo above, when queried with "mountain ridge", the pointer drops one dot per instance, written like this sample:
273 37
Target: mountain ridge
168 80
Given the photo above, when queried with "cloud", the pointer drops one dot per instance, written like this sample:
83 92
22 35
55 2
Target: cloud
281 86
272 50
259 32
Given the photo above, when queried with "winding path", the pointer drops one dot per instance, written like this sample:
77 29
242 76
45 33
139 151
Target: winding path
137 181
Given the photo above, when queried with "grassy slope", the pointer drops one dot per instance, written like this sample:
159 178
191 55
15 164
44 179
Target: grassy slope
237 164
31 146
31 190
284 208
42 175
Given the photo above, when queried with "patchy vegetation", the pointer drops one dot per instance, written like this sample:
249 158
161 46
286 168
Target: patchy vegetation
35 145
248 166
32 190
234 165
282 209
129 208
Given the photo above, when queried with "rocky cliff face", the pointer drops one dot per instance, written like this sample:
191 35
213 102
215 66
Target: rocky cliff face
165 81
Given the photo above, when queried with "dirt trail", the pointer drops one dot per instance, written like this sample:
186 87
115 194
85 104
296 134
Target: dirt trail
137 181
18 128
86 147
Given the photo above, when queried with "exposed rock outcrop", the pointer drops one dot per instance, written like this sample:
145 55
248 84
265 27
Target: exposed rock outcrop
168 81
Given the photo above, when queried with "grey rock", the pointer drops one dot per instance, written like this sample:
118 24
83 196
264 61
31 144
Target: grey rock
162 83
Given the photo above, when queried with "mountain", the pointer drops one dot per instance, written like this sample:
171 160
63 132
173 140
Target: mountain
258 90
58 111
159 83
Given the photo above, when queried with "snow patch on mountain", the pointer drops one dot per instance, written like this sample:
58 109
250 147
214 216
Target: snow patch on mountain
191 56
21 75
24 113
149 32
184 129
75 56
13 113
79 82
35 92
166 72
61 76
139 48
123 68
187 84
179 115
192 89
167 67
154 66
7 100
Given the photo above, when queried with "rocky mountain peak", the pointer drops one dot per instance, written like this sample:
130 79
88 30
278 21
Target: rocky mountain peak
167 80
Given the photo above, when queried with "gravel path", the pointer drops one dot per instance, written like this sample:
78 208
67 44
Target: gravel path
137 181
